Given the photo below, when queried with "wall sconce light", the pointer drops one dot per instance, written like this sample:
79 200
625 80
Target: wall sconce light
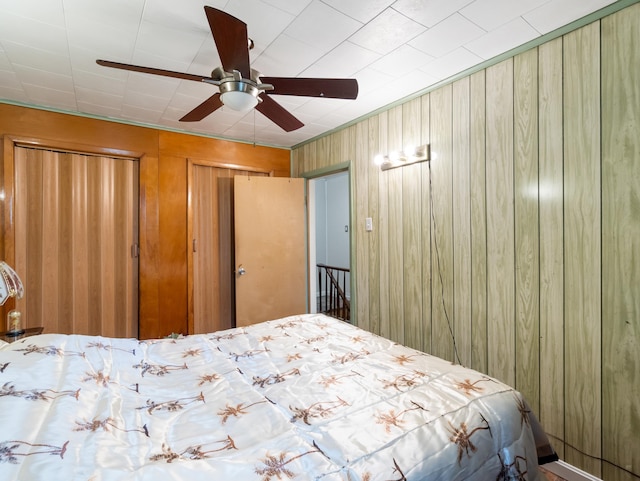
400 159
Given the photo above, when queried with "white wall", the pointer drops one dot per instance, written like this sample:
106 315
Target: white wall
332 216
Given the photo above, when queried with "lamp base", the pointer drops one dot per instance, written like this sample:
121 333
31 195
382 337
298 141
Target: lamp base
15 333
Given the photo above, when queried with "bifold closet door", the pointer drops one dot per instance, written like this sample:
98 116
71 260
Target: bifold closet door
76 234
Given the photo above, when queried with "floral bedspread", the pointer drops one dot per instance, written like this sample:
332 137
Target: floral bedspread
305 397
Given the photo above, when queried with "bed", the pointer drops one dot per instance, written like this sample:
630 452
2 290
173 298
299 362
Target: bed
304 397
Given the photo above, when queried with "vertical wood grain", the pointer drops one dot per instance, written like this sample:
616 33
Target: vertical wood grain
323 153
373 262
29 165
621 242
82 263
149 259
442 223
360 167
76 254
462 221
395 219
582 243
411 228
527 261
383 231
500 228
108 247
206 255
477 173
49 260
426 228
550 192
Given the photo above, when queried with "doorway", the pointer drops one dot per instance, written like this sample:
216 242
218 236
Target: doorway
330 266
211 253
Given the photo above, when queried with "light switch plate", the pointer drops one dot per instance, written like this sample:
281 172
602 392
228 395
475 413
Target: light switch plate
368 224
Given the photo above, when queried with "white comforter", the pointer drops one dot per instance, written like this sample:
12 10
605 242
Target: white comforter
306 397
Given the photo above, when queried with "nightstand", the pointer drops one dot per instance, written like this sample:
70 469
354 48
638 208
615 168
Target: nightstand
29 331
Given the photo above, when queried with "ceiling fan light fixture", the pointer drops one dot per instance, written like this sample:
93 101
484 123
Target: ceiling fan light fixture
239 95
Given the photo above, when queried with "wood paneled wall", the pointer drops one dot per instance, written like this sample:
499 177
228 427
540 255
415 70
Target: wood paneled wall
522 235
163 306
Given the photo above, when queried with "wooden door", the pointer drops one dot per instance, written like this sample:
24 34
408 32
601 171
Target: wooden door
211 253
76 235
270 248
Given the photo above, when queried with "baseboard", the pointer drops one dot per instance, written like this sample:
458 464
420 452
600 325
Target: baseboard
569 472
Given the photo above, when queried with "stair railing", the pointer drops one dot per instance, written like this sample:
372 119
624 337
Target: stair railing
333 300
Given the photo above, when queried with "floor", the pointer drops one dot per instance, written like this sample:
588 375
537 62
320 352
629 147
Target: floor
550 476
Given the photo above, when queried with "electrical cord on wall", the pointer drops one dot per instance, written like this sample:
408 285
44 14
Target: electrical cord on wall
435 243
591 456
455 348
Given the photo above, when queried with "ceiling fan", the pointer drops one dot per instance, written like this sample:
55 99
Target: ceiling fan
241 87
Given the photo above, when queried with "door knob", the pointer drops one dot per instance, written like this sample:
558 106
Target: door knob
241 271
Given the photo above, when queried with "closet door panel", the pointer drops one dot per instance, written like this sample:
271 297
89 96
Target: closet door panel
75 225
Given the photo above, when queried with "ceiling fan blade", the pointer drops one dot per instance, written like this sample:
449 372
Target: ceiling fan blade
278 114
207 107
154 71
335 88
230 35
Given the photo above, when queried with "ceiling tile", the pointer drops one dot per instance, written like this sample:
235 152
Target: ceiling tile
387 32
95 97
557 13
100 110
175 45
98 83
119 47
50 97
254 13
154 85
286 57
502 39
402 61
294 7
370 79
322 27
45 11
490 14
448 35
457 61
51 80
20 54
343 61
429 12
190 17
361 10
9 80
40 35
123 14
140 114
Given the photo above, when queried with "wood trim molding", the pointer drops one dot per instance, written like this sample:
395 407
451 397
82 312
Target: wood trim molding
73 147
226 165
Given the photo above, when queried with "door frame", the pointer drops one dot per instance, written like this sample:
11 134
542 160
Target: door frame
310 232
214 164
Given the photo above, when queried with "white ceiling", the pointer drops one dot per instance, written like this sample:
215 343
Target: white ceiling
394 48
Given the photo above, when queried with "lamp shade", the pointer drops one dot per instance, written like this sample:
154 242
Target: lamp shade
241 101
10 283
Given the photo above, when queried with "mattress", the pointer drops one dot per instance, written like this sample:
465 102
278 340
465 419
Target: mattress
304 397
